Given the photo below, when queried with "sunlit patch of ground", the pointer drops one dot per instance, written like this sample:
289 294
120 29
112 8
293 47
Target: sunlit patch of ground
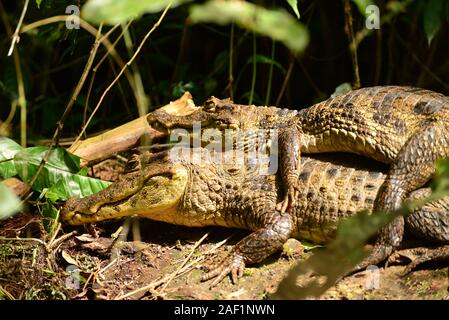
166 264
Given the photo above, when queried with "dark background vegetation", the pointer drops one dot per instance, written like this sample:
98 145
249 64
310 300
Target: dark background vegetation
180 56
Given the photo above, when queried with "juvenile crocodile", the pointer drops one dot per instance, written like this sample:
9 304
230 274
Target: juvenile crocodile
405 127
234 196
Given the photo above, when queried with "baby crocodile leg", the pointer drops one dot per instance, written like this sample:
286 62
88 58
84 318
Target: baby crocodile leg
413 167
254 248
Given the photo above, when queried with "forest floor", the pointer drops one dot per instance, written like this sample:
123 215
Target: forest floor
166 263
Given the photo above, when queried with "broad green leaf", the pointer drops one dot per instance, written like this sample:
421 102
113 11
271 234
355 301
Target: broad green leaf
9 202
8 149
294 5
58 174
276 24
362 4
433 18
120 11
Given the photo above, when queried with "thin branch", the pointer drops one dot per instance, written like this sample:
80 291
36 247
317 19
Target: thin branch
15 36
120 73
286 80
352 43
89 28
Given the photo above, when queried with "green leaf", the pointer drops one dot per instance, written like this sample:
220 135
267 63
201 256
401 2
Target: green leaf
433 18
9 202
38 3
362 4
294 5
341 89
51 216
276 24
58 174
8 149
120 11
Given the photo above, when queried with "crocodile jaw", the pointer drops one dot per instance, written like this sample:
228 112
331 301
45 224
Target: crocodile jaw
157 199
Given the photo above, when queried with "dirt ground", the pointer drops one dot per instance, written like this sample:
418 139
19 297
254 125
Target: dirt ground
166 264
143 259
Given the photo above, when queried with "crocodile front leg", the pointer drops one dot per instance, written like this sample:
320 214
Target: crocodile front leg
290 162
253 249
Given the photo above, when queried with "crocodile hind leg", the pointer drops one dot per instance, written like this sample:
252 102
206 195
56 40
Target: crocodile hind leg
431 223
253 248
413 167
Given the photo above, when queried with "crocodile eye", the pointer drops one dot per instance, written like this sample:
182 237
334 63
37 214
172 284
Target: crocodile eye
233 170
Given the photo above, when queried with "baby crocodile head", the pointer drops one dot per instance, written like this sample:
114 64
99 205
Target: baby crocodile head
154 192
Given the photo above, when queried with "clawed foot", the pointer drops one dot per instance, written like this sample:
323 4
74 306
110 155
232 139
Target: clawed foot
233 264
418 256
379 254
289 200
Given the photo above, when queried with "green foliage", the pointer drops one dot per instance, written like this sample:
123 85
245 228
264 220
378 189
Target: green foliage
433 17
8 149
276 23
9 202
362 4
120 11
60 176
294 5
342 89
440 182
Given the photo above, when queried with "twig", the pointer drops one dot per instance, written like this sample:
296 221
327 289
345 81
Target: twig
6 294
254 77
16 37
167 278
21 101
185 260
95 68
89 28
68 108
286 80
121 72
231 63
352 43
142 99
61 239
25 239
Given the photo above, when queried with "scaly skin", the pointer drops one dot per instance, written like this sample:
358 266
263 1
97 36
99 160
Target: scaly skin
234 196
405 127
402 126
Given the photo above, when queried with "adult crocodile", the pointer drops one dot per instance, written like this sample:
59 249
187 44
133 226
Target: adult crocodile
405 127
184 193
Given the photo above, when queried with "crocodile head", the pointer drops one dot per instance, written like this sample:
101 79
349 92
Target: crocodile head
153 192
